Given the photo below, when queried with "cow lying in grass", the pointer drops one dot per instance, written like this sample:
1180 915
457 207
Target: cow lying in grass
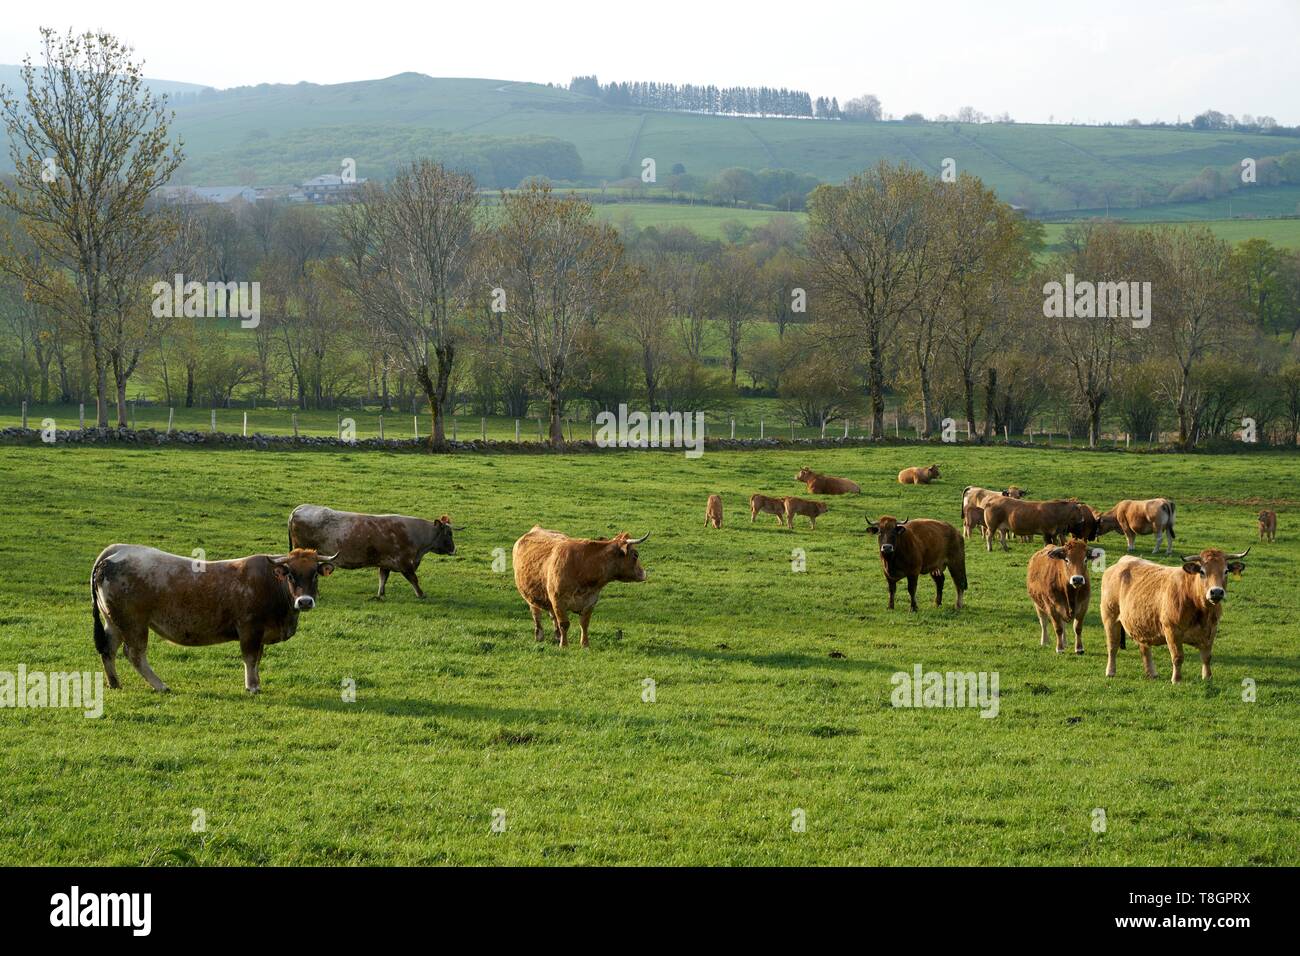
557 575
911 548
918 476
254 600
819 484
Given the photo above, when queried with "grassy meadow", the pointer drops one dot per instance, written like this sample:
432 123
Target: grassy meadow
771 686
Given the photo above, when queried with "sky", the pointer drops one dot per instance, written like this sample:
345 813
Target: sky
1095 61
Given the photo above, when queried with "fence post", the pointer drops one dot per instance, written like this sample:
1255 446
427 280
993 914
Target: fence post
539 428
339 427
295 426
895 424
381 427
245 424
483 428
453 427
516 431
593 430
213 426
24 416
171 416
415 426
823 426
82 416
733 427
760 428
1006 434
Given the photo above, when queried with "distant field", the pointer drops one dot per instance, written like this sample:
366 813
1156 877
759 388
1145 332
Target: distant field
1281 232
771 685
708 221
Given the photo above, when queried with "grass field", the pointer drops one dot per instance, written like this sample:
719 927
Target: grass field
772 687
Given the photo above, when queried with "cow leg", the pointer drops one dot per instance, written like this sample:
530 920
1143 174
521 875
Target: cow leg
892 585
938 589
109 658
1114 630
1175 655
584 620
561 627
1159 535
537 621
1042 626
1206 649
1147 663
383 581
137 654
252 652
1058 628
1004 540
1078 634
1130 538
415 582
911 589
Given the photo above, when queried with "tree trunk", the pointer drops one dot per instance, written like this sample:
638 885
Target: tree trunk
990 401
557 427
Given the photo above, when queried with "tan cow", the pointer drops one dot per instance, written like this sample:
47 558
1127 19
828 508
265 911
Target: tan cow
254 600
819 484
1163 605
1058 584
971 519
762 504
1267 525
918 476
387 542
800 506
713 512
557 575
1134 517
1050 519
919 546
1014 492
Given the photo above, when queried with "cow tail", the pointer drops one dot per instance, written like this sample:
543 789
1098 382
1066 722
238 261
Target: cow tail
1170 526
102 643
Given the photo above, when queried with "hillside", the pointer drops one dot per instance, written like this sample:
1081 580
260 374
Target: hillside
503 131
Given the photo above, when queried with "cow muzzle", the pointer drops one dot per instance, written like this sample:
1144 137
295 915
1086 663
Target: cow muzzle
886 549
1215 595
304 602
1076 580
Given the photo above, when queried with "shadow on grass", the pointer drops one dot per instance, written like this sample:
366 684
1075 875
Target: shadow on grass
784 660
408 707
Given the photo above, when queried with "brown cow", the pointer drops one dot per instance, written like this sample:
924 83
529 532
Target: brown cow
1051 519
911 548
1267 525
558 574
713 511
1014 492
972 518
1057 581
1132 518
388 542
762 504
826 485
918 476
800 506
1164 605
253 600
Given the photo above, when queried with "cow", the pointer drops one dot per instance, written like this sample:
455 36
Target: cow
557 574
387 542
254 600
918 476
1058 585
1267 525
1014 492
1051 519
913 547
762 504
971 519
826 485
1172 606
975 497
1132 518
713 511
811 510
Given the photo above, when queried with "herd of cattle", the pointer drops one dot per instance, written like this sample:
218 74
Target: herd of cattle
256 600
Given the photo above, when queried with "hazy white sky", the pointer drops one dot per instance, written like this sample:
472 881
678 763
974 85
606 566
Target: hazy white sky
1094 60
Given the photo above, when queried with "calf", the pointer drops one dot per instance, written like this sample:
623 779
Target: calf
762 504
1267 525
825 484
1057 581
1050 519
713 512
911 548
1163 605
254 600
809 509
387 542
1135 517
973 517
557 574
918 476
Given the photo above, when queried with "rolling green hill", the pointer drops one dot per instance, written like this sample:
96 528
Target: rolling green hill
271 134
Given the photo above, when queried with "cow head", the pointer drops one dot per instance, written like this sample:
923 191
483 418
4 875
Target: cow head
1085 522
1076 554
820 507
442 542
1014 492
1107 521
889 531
627 564
933 472
1213 566
805 475
301 570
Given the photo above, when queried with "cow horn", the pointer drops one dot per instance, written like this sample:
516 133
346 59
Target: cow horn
1239 555
640 539
324 558
457 527
1189 557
